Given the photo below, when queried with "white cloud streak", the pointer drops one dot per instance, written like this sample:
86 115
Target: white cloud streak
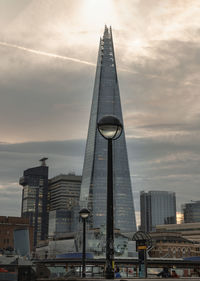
37 52
42 53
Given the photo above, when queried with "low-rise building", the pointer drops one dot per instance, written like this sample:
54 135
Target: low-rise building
8 226
189 231
172 245
71 243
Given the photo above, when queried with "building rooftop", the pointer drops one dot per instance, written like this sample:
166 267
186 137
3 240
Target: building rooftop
69 176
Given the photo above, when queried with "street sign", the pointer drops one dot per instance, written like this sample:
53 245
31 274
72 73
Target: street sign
142 247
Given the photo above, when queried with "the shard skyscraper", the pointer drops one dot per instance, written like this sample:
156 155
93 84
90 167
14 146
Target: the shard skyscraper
106 101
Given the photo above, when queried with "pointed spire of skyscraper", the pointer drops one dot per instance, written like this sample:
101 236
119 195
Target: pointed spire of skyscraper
106 101
106 31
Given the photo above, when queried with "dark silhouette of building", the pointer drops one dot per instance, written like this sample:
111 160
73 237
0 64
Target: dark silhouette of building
35 199
106 101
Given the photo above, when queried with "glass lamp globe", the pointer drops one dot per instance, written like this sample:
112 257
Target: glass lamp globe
110 127
84 213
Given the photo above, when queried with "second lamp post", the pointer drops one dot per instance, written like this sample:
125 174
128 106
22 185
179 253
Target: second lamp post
84 213
110 128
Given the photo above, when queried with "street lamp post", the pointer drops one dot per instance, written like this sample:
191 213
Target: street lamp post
110 128
84 213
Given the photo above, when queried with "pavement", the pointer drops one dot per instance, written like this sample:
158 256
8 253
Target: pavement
119 279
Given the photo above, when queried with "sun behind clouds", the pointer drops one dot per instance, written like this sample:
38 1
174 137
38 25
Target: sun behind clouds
97 13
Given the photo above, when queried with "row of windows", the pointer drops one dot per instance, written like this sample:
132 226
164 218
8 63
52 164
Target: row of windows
182 229
4 231
172 241
5 240
174 250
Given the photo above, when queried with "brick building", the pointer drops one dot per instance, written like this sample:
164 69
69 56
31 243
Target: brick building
189 231
172 245
7 227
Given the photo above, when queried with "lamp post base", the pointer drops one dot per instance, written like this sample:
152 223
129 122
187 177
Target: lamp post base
110 269
110 275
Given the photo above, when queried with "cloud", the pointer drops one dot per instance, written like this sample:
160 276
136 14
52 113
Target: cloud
45 102
10 199
17 157
154 165
165 165
42 95
64 157
162 97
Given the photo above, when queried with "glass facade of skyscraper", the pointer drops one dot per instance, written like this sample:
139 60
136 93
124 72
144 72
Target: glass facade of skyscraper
60 222
106 101
191 212
157 207
35 200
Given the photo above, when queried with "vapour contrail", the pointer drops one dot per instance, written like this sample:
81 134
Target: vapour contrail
42 53
37 52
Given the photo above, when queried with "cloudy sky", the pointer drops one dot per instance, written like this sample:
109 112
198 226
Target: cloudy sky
48 51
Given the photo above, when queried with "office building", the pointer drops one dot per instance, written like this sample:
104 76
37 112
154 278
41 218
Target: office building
64 193
35 199
191 212
157 207
60 223
106 101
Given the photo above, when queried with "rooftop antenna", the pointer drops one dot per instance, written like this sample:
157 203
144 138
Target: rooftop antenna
43 161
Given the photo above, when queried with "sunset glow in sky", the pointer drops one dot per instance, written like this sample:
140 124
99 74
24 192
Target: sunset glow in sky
48 52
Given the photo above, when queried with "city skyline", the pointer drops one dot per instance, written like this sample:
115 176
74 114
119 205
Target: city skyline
49 53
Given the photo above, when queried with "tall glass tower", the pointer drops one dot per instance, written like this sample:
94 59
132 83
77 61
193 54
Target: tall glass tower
191 212
35 199
106 101
157 207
